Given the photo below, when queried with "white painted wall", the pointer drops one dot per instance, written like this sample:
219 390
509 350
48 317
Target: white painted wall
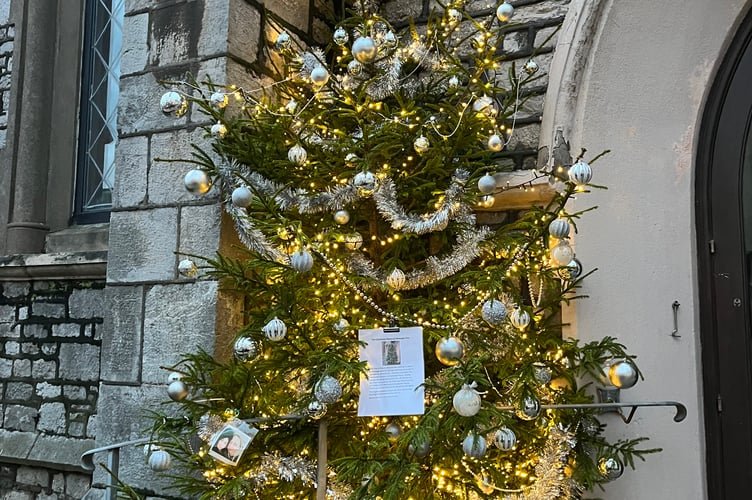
640 93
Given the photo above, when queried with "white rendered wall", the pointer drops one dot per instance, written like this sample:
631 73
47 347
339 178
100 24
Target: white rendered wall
640 92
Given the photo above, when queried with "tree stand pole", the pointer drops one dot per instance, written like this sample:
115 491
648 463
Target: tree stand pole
321 479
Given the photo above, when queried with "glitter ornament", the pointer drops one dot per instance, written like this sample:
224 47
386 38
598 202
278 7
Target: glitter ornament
275 329
341 217
580 173
283 41
487 184
159 461
242 197
623 374
301 261
421 144
531 67
365 182
173 103
218 130
486 201
474 446
467 401
187 268
297 154
542 373
559 228
354 68
449 350
610 468
393 430
504 12
353 241
340 36
529 409
245 349
177 390
319 76
197 182
562 254
505 438
219 100
174 376
396 279
316 409
419 448
495 143
493 311
327 390
519 318
364 49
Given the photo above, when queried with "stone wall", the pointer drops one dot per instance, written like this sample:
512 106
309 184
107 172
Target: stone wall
7 33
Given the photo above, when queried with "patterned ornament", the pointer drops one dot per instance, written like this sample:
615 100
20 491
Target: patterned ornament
396 279
197 182
487 184
365 182
421 144
327 390
559 228
187 268
485 105
504 12
159 461
495 143
219 100
493 311
245 349
519 318
364 49
467 401
173 103
449 350
580 173
531 67
562 254
353 241
177 390
242 197
419 448
541 373
505 438
393 431
623 374
319 76
341 217
486 201
354 68
610 468
316 409
218 130
529 409
340 36
301 261
297 154
474 446
341 325
283 41
275 329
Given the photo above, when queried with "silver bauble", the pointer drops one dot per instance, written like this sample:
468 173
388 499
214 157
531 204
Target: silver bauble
483 104
174 376
390 40
419 448
364 49
393 430
396 279
354 68
495 143
486 201
173 103
327 390
283 41
449 350
493 311
562 254
341 217
466 401
474 446
301 261
341 325
505 438
159 460
541 373
351 159
242 197
245 349
353 241
580 173
572 271
340 36
519 318
177 390
197 182
559 228
291 107
454 15
187 268
275 329
487 184
529 409
316 409
319 76
218 130
219 100
623 374
297 154
421 144
610 468
365 182
504 12
453 82
531 67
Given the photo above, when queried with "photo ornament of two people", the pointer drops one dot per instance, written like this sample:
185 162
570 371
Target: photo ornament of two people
228 444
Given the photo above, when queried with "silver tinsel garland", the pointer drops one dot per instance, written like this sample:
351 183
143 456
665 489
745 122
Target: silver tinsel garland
291 468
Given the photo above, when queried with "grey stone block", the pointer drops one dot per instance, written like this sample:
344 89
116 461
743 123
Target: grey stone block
43 369
138 106
295 12
18 390
12 348
79 362
142 245
20 418
91 427
23 313
29 348
35 331
66 330
199 230
18 495
50 348
16 290
58 483
74 392
33 476
48 309
22 368
76 485
131 165
166 179
63 451
174 32
7 314
86 303
135 49
52 418
121 338
76 429
215 24
45 390
178 319
6 368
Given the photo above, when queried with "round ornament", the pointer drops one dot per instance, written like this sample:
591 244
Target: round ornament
353 241
485 484
316 409
341 325
531 67
351 159
493 311
562 254
177 390
340 36
611 468
421 144
197 182
474 446
291 107
187 268
245 349
485 105
559 228
453 82
396 279
505 438
301 261
174 376
495 143
319 76
519 318
449 350
419 448
454 15
275 329
327 390
390 40
297 154
467 401
486 201
159 460
487 184
580 173
364 49
219 100
354 68
504 12
218 130
542 373
393 430
529 409
341 217
365 182
572 271
242 197
173 103
623 374
283 41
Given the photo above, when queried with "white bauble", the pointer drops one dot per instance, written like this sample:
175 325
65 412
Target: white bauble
365 182
301 261
275 329
341 325
580 173
341 217
316 409
340 36
218 130
364 49
319 76
327 390
505 438
197 182
159 460
242 197
219 100
466 401
354 68
393 430
559 228
353 241
623 374
297 154
474 446
495 143
493 311
504 12
449 350
177 390
421 144
531 67
487 184
611 468
519 318
188 268
529 409
396 279
562 254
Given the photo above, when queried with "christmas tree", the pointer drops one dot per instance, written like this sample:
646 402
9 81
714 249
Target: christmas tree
391 339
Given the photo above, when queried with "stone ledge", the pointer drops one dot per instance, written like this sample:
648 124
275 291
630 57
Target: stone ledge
85 238
55 452
53 266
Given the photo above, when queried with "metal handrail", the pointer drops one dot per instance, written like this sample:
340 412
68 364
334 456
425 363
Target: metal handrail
113 463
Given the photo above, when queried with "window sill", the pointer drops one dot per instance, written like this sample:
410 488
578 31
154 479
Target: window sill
54 266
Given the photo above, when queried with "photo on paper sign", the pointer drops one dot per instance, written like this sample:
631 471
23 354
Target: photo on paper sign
390 353
228 444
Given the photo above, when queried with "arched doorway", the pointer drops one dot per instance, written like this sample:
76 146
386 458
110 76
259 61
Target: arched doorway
724 223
